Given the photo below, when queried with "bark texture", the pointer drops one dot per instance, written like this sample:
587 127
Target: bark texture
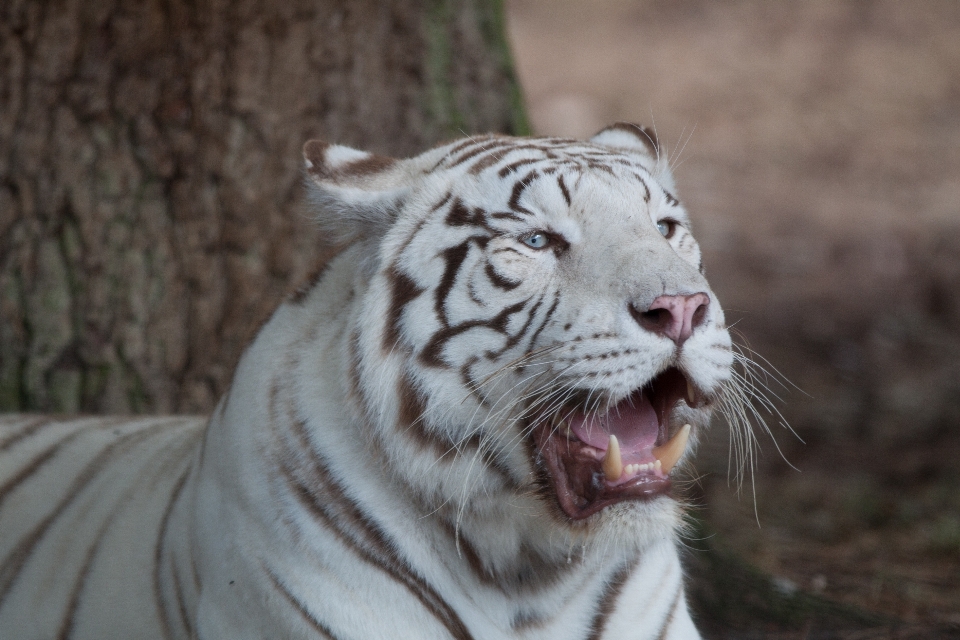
150 179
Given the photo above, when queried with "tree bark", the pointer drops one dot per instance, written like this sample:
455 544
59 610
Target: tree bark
150 179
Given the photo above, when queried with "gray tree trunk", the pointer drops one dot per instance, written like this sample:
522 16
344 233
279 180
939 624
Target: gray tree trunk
150 179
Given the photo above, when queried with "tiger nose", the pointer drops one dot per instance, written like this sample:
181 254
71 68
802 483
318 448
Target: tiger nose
673 316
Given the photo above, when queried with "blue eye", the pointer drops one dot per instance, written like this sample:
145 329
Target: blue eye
536 240
667 228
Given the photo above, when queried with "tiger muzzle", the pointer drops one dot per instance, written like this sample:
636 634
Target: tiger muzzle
626 453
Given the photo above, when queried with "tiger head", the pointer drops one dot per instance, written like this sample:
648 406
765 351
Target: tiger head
536 346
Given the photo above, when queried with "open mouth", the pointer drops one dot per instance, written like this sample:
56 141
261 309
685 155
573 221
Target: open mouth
594 461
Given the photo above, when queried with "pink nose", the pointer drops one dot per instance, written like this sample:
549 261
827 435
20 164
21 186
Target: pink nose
673 316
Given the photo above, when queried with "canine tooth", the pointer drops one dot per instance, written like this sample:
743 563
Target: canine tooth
691 394
669 453
612 464
564 427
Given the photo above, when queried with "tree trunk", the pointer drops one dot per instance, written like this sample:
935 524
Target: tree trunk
150 178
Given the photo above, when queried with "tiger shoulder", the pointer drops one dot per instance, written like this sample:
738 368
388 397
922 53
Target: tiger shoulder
468 427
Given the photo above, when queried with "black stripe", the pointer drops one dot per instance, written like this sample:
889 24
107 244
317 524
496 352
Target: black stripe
515 338
670 616
646 187
178 594
367 540
420 224
425 439
403 290
195 574
158 556
473 557
444 200
602 166
460 215
14 562
513 166
518 190
374 550
563 189
301 608
73 603
469 382
507 215
608 600
412 405
218 412
449 154
546 319
24 432
454 257
500 281
83 427
474 296
34 465
466 374
432 353
483 145
300 294
462 144
354 384
28 470
530 572
523 620
488 160
487 456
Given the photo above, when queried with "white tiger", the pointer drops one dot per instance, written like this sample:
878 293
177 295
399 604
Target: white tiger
465 428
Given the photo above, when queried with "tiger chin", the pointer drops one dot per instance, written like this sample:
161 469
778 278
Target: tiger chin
468 426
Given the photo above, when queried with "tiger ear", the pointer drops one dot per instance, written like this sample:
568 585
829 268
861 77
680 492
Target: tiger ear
640 140
627 135
356 194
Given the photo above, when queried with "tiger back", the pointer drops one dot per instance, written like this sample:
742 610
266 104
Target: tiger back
468 426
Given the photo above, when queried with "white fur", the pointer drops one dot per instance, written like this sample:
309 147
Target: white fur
310 509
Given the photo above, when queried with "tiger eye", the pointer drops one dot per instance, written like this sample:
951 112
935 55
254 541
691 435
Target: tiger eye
536 241
666 228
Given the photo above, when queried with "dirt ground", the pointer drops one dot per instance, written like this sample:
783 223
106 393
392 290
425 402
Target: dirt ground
817 146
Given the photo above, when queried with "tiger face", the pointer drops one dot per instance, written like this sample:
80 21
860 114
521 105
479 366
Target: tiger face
537 347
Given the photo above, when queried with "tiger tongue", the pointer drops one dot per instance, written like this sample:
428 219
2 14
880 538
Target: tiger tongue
633 421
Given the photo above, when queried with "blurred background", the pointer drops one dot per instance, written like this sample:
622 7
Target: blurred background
151 218
817 146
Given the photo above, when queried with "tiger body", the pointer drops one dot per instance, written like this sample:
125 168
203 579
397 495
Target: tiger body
420 445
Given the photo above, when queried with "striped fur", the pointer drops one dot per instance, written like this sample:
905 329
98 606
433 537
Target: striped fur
378 467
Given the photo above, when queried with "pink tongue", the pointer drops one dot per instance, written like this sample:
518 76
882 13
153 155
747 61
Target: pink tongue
633 421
